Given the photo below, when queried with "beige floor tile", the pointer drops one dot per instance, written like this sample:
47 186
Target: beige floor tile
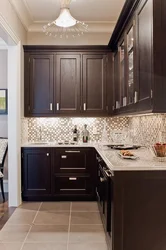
52 218
22 217
55 206
85 206
85 218
88 246
31 206
10 246
45 233
86 233
44 246
14 233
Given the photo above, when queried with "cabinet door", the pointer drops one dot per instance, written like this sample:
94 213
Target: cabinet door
67 81
40 85
36 172
144 16
116 82
94 84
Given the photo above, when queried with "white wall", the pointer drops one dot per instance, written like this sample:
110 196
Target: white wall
3 85
39 38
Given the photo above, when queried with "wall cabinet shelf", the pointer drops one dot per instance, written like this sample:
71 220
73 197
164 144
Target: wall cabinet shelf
65 81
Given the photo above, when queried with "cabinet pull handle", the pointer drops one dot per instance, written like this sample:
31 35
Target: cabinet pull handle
84 106
50 106
72 178
102 179
151 93
135 97
57 106
72 151
47 154
64 156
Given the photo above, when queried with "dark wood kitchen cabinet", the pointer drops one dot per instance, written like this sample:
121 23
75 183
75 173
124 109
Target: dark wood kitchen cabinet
36 173
138 212
94 84
141 26
64 81
39 84
58 174
67 84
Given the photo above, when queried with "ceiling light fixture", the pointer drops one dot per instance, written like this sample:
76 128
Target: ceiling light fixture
65 25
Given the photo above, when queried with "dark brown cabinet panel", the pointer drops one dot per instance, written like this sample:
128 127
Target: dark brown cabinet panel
58 174
144 22
39 85
67 81
94 84
36 172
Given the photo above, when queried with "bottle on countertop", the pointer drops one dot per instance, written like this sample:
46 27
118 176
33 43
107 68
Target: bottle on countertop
85 134
75 134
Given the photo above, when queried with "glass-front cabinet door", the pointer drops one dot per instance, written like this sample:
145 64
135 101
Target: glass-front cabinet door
122 74
130 65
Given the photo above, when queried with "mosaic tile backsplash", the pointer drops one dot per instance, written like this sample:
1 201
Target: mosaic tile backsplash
144 130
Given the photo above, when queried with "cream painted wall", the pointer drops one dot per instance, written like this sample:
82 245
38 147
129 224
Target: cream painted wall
37 38
10 16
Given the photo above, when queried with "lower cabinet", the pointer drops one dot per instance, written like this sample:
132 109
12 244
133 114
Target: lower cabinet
58 173
36 173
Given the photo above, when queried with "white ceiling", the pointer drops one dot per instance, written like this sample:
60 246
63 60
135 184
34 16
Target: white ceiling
101 15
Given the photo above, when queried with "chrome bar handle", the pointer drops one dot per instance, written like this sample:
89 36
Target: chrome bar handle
84 106
50 106
72 151
135 96
72 178
57 106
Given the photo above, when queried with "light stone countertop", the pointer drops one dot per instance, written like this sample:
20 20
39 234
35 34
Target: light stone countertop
145 160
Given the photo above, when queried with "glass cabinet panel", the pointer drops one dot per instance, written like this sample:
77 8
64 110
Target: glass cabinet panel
130 53
122 74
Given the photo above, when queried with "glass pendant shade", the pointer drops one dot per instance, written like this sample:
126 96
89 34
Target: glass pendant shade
65 19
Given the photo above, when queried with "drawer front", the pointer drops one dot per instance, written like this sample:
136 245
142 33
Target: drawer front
72 185
72 161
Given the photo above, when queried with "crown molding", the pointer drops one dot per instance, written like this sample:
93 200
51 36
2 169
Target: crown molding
21 9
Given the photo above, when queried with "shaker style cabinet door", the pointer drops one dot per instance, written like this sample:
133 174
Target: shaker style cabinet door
94 84
36 172
39 85
67 84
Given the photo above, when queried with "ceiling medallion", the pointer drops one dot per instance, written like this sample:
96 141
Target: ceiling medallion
65 25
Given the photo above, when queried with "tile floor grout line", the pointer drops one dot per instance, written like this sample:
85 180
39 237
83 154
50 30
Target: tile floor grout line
37 213
31 226
69 226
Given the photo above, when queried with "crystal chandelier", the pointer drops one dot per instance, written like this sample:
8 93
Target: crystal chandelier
65 25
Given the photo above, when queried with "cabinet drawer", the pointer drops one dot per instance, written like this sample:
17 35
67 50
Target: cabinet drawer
72 185
72 160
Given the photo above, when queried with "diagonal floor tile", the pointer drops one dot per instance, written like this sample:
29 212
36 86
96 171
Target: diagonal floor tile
88 246
52 218
20 217
30 206
45 233
44 246
10 246
85 218
55 206
14 233
86 233
85 206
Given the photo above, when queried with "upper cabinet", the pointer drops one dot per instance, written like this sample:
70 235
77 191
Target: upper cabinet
139 61
94 83
63 82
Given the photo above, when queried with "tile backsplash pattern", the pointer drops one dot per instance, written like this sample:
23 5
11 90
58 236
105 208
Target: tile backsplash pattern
60 129
144 129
